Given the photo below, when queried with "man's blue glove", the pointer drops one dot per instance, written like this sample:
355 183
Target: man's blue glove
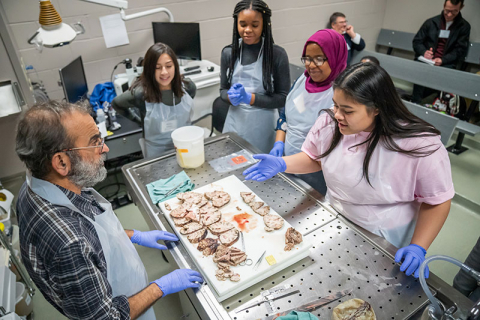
234 95
266 168
411 257
179 280
150 238
277 150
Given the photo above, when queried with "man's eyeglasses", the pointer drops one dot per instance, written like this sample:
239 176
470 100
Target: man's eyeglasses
318 61
454 12
342 22
99 145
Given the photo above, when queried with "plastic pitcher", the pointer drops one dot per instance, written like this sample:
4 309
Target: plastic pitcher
188 143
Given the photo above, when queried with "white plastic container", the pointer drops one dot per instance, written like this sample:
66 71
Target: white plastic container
24 305
189 147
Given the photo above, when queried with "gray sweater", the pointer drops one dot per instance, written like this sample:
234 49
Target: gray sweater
281 75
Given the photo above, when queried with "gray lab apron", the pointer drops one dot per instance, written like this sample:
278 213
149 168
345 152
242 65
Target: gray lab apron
125 271
302 109
160 120
253 124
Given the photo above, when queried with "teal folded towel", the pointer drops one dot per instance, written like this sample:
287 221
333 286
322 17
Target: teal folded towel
297 315
158 189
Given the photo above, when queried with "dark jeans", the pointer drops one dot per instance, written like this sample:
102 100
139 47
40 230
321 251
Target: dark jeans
420 92
467 285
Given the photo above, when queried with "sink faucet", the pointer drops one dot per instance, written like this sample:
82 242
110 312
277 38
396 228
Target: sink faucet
435 312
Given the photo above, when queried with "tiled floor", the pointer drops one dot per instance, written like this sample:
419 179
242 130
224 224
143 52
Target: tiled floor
456 239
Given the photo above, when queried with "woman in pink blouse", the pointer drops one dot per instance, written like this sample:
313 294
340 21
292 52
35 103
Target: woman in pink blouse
385 169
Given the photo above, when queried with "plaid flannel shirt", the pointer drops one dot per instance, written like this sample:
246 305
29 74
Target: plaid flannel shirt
64 257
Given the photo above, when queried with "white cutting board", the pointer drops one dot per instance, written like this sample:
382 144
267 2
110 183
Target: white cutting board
257 240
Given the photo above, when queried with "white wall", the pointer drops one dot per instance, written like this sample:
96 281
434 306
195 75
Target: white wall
409 15
293 22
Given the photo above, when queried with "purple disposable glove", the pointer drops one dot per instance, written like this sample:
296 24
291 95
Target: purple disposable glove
234 95
266 168
179 280
411 257
150 238
277 150
244 96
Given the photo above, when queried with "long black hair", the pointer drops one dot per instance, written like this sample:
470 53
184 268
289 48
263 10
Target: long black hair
370 85
267 63
151 88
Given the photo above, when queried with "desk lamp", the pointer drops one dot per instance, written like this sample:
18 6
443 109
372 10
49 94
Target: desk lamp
54 33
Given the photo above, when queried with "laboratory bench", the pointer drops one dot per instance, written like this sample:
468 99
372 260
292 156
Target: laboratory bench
124 141
344 256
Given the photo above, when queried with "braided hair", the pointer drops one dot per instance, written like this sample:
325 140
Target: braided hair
267 63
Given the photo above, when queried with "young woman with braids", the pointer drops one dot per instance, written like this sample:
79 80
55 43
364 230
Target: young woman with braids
255 76
386 170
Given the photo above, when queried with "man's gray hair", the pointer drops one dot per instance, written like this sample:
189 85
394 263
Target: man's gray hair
40 134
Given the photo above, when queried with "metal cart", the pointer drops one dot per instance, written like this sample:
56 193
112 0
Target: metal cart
344 256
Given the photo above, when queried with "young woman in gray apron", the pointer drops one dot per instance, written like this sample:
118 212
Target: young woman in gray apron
254 76
164 100
248 121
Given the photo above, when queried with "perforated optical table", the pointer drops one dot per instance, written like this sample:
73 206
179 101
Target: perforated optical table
344 256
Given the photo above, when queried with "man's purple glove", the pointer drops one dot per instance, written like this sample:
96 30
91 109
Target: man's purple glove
266 168
277 150
179 280
150 238
411 257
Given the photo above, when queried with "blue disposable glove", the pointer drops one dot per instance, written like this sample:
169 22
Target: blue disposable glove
277 150
150 238
266 168
178 280
411 257
244 96
234 95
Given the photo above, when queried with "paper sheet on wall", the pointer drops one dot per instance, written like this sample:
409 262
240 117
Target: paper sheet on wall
114 30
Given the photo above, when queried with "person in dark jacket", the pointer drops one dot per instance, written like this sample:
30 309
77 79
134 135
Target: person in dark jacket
443 39
339 23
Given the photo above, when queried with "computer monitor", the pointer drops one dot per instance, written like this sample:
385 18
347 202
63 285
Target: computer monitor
74 81
182 37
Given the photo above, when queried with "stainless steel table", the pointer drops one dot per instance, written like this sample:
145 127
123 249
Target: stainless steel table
344 256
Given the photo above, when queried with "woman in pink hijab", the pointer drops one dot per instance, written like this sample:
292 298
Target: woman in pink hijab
325 57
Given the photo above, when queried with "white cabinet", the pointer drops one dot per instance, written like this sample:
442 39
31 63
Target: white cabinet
207 83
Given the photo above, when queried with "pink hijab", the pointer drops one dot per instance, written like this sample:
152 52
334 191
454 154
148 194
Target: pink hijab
335 48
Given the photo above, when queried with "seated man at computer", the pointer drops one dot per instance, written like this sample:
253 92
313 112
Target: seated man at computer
443 39
163 98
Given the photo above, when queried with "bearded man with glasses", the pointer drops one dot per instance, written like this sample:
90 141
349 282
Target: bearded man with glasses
72 244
